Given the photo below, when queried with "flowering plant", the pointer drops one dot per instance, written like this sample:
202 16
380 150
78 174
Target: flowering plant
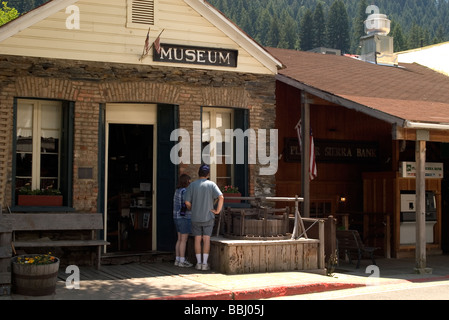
37 259
26 190
229 189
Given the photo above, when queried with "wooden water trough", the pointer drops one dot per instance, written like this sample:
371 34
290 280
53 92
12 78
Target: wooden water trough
259 239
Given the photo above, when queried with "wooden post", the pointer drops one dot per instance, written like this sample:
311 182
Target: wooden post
420 155
387 237
321 252
305 157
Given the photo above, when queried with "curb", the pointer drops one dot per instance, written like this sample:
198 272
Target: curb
283 291
264 293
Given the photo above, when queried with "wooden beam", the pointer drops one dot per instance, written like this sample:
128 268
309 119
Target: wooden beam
400 133
305 159
420 249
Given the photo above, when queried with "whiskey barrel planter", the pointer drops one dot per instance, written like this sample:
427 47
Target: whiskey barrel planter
34 280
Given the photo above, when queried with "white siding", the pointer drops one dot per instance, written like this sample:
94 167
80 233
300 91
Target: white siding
434 57
104 35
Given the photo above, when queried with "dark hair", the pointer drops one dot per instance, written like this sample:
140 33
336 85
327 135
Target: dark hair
203 171
184 181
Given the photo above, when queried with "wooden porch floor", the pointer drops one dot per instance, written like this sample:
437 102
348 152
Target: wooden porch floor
121 266
128 271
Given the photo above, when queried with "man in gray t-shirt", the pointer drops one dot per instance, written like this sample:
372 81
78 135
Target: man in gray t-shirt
199 198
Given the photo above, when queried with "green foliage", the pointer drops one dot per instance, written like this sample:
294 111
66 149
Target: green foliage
282 23
338 27
24 6
39 259
26 190
7 14
306 34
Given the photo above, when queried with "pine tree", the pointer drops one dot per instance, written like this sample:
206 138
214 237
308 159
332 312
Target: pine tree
274 34
338 27
24 6
359 26
290 39
400 42
418 37
319 27
306 35
263 26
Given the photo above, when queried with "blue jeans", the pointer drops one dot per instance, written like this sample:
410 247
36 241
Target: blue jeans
183 225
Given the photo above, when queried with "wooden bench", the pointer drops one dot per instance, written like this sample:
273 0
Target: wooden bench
57 222
349 241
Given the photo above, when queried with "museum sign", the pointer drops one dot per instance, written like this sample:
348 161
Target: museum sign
196 55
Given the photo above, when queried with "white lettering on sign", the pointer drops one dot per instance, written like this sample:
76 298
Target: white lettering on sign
196 55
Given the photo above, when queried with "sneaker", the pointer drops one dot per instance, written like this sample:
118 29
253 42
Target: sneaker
177 263
198 266
185 264
205 267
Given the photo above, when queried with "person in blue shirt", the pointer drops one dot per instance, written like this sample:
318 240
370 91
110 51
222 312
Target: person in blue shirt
200 197
182 220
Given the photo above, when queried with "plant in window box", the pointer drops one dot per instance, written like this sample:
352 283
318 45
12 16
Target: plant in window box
231 191
47 197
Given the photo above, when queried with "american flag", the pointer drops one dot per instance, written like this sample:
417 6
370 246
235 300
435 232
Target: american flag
146 48
157 45
313 172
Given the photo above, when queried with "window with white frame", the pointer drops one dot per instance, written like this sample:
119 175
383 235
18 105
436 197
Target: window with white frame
38 144
217 146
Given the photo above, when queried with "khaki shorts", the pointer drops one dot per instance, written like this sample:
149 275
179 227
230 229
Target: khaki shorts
203 228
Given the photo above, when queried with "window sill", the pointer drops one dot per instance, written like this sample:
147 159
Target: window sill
41 209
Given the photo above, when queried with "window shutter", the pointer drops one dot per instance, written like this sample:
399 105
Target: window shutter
167 173
143 12
241 175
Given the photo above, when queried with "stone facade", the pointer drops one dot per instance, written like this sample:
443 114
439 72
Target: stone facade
90 84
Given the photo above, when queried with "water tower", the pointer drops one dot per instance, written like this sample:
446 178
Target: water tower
377 46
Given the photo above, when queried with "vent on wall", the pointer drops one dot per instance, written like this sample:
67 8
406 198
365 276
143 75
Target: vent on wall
143 12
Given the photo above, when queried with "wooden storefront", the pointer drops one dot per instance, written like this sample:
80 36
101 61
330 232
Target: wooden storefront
361 135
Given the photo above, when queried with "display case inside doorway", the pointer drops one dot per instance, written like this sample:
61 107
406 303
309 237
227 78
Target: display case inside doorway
133 229
140 213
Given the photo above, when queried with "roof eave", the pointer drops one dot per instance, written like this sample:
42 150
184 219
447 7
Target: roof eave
237 35
34 16
330 97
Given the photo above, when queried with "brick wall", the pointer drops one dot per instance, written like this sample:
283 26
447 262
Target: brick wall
90 84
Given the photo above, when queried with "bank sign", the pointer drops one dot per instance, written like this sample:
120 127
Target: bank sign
432 170
335 151
196 55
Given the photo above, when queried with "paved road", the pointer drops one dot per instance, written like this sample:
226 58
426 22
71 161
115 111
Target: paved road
434 290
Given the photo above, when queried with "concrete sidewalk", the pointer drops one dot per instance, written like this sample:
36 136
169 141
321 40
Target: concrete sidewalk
173 283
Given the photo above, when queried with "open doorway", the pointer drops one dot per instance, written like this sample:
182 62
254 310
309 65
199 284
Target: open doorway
129 186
